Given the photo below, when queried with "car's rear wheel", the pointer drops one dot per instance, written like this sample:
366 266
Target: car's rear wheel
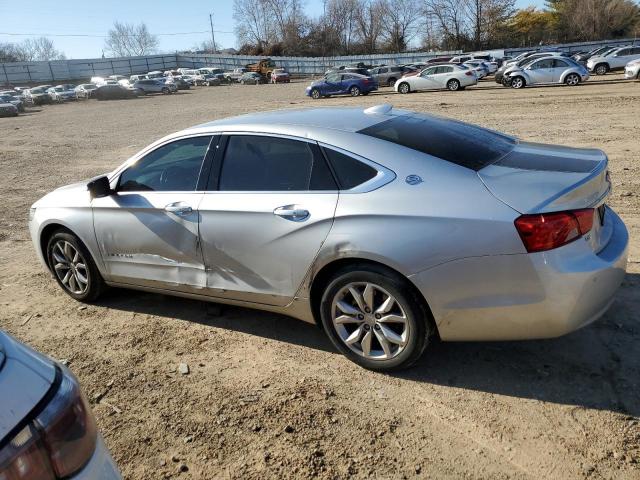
373 318
404 87
354 91
165 90
73 268
391 82
518 82
453 85
572 79
315 94
602 69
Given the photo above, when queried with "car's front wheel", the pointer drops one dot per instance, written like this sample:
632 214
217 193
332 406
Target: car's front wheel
602 69
372 316
165 91
72 266
315 94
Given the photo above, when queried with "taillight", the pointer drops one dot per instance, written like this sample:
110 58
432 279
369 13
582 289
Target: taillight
58 442
469 73
545 231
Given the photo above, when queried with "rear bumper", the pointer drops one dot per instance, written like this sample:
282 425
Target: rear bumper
526 296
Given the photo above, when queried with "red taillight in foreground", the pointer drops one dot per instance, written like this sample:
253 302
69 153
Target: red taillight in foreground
57 443
545 231
469 73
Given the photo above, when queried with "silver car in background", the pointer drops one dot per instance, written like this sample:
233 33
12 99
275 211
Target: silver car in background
386 227
615 59
547 70
47 429
632 70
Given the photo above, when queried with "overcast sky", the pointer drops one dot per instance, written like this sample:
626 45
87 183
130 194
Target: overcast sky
88 17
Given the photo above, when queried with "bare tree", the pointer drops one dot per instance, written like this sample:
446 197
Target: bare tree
400 21
129 40
450 17
254 22
369 20
485 17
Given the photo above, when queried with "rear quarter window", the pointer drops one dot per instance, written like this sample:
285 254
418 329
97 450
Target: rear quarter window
456 142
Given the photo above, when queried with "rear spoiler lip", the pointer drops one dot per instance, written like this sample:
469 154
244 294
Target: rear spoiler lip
602 166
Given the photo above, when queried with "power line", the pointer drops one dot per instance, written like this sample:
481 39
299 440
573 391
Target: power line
101 36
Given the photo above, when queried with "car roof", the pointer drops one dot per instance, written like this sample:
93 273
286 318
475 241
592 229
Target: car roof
301 121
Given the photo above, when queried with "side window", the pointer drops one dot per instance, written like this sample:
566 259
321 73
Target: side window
446 69
172 167
383 70
257 163
635 51
428 71
560 64
333 77
350 172
624 52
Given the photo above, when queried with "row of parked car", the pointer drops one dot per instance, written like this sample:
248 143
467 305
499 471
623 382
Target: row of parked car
13 101
456 73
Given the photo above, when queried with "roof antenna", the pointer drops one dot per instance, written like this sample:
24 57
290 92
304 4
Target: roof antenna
378 109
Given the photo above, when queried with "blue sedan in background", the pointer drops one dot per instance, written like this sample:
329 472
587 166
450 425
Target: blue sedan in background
337 83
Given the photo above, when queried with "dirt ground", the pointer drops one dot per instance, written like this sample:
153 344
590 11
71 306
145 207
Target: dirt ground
267 396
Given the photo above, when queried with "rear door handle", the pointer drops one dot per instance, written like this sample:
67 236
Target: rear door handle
179 208
292 212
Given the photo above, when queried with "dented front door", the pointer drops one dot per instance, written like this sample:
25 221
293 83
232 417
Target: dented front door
151 239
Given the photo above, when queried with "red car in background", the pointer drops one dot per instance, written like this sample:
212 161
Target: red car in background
280 75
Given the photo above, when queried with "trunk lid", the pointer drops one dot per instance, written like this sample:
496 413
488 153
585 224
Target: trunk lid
539 178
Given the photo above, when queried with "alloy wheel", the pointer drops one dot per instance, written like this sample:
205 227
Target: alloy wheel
404 88
370 321
70 267
573 80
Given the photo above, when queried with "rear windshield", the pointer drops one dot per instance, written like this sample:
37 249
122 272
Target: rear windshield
456 142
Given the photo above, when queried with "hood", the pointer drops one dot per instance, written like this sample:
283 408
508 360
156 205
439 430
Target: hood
74 195
25 373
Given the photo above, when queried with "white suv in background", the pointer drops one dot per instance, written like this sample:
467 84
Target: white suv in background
615 60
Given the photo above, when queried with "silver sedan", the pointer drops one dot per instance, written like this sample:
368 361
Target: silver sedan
547 70
386 227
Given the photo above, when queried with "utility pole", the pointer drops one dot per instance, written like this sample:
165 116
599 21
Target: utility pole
213 38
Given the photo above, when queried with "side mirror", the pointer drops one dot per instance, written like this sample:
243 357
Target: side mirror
99 187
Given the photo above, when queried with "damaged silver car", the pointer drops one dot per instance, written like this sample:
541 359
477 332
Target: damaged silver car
384 226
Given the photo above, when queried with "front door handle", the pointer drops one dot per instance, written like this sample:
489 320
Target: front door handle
292 212
179 208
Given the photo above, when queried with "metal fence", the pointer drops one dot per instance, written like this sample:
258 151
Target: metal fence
77 70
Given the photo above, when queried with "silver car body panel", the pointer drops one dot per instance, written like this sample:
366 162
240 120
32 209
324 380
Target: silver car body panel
453 228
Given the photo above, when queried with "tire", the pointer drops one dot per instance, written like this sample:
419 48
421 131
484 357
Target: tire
59 254
165 91
572 80
404 88
141 92
601 69
315 94
391 82
518 82
241 82
411 324
453 85
354 91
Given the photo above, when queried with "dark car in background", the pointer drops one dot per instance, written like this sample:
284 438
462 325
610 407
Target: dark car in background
252 78
388 74
15 100
114 92
340 83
